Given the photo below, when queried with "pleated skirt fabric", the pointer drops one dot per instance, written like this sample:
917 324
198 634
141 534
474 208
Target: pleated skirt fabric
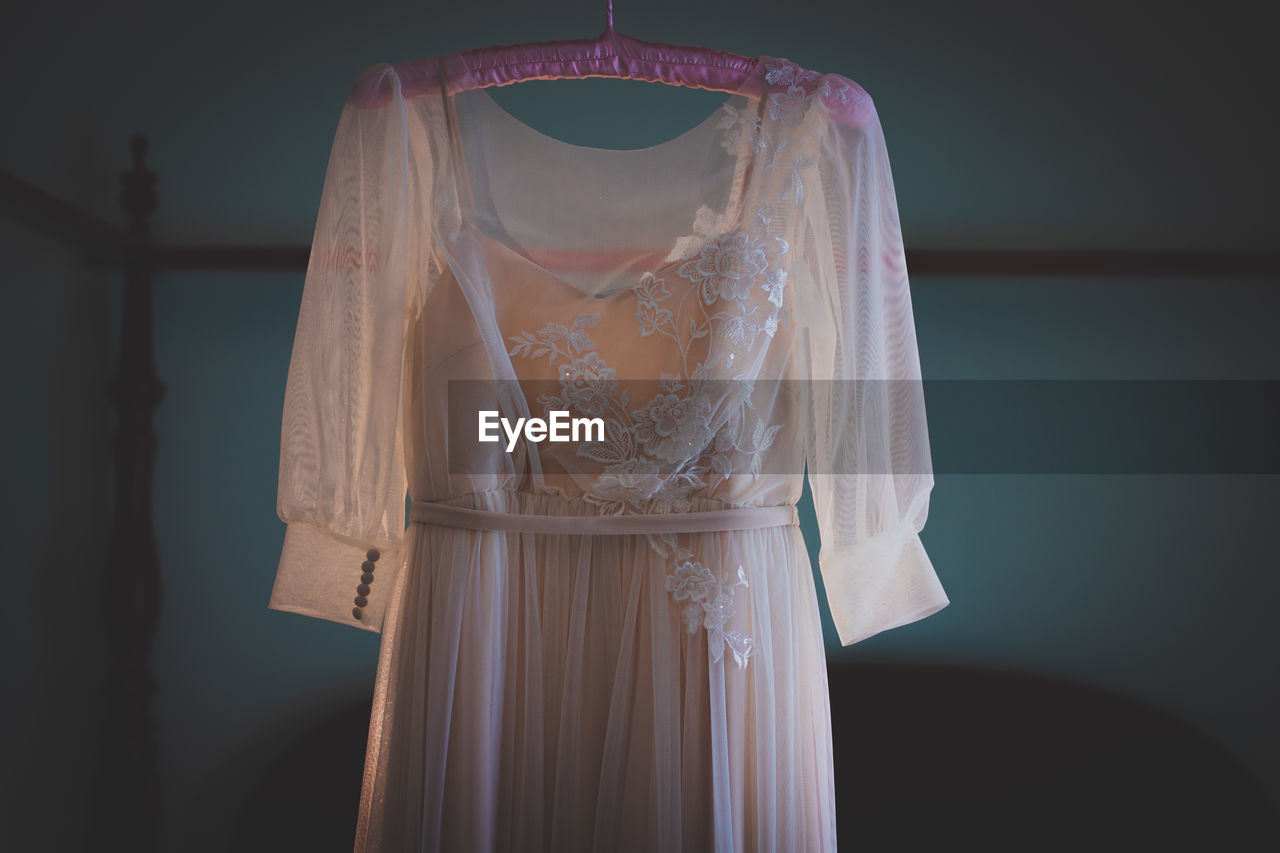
541 692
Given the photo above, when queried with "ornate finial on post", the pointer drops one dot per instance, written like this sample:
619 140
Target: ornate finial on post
608 23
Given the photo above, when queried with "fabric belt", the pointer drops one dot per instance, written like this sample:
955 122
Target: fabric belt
737 518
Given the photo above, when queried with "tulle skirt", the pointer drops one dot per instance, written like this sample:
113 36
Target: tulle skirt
543 692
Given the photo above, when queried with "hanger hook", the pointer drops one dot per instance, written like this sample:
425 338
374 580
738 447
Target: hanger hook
608 22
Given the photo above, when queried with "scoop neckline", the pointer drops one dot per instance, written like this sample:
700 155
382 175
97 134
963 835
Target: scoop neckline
529 130
731 220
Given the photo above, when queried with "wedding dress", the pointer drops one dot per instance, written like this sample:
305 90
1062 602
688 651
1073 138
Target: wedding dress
614 643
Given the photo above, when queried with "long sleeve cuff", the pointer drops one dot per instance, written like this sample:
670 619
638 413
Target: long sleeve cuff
882 583
324 575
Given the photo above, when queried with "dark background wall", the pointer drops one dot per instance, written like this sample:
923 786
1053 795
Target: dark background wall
1009 125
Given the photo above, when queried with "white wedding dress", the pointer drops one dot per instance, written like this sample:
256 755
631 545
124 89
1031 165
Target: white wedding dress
612 644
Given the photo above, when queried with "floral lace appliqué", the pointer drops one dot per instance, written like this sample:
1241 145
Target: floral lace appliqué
709 605
742 130
798 87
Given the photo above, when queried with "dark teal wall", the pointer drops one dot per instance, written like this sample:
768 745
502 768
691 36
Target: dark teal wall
1111 126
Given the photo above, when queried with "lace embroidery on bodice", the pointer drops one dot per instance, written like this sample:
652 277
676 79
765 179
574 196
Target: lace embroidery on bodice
721 307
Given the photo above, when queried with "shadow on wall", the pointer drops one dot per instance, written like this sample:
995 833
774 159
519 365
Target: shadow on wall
924 756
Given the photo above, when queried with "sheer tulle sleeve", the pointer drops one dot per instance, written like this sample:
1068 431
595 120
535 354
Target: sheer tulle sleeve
342 483
868 454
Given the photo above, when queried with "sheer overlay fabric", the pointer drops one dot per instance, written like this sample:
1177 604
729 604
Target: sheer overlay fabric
733 305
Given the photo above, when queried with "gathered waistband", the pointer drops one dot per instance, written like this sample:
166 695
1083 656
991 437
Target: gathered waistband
736 518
